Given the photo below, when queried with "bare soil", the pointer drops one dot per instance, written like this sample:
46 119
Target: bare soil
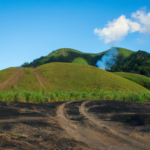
75 125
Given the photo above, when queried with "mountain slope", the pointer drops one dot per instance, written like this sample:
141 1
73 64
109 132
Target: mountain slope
137 78
138 62
72 77
77 77
68 55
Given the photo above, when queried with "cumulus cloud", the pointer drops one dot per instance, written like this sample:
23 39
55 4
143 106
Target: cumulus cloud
144 20
119 28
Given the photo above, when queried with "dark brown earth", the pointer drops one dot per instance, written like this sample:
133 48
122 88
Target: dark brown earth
75 125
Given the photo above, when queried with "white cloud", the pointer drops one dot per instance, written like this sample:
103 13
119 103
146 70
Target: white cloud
119 28
144 20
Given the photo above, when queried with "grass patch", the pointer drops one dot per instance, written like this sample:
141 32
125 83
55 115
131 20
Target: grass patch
80 60
137 78
6 73
124 51
27 81
44 96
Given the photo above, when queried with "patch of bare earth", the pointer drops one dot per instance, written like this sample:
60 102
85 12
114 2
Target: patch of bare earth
13 79
75 125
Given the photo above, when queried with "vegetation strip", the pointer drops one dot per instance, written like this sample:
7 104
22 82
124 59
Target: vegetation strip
44 96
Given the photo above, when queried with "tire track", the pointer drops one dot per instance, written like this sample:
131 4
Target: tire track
38 78
13 79
75 131
101 138
94 132
100 123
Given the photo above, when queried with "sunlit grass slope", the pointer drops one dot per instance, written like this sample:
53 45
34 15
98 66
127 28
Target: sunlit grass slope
27 81
124 51
6 73
80 60
77 77
140 79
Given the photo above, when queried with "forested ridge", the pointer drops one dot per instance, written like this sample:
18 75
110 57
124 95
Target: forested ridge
138 62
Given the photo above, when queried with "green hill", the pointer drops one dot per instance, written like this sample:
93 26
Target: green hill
73 77
77 77
80 60
125 52
68 55
137 78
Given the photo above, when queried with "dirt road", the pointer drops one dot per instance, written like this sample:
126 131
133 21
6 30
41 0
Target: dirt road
74 125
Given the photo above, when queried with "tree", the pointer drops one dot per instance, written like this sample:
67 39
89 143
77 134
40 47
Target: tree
26 64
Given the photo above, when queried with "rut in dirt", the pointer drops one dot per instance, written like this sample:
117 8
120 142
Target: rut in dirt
39 78
82 125
13 79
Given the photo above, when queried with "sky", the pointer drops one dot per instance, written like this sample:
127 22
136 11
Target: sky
30 29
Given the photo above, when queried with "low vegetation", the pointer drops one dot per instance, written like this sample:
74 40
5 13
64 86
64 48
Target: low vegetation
44 96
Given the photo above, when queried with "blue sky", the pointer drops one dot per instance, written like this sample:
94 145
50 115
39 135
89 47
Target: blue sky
30 29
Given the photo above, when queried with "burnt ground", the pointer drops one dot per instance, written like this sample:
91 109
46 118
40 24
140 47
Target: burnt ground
75 125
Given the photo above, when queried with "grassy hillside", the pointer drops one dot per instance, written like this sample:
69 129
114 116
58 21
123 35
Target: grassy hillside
68 55
77 77
71 81
27 81
137 78
80 60
125 52
6 73
73 77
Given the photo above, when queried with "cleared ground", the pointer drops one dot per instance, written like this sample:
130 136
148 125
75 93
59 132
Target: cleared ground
76 125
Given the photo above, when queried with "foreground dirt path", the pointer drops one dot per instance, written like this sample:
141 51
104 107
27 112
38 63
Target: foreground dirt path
75 125
13 79
95 132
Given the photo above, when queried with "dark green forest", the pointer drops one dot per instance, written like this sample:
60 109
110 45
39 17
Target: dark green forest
138 63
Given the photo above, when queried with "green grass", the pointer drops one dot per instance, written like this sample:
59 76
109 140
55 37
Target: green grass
44 96
77 77
80 60
27 81
65 52
124 51
6 73
137 78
